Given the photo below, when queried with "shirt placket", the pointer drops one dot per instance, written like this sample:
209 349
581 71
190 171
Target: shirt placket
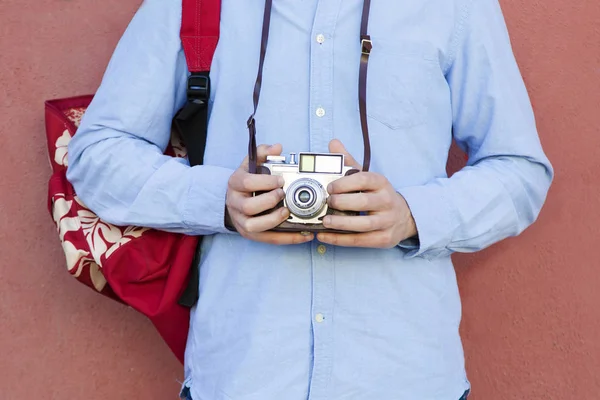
321 75
321 132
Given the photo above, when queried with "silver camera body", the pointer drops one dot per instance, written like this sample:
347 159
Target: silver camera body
306 181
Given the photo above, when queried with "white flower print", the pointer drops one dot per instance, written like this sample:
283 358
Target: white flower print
75 258
75 115
98 280
60 209
79 259
102 237
131 232
98 233
61 153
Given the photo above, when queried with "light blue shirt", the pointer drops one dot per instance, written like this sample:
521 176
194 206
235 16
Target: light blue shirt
312 321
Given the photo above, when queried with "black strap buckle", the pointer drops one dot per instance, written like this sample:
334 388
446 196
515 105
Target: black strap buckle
198 88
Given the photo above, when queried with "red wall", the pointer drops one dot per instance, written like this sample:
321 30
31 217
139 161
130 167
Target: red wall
531 305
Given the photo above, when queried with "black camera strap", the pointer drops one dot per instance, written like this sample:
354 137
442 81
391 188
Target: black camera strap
365 45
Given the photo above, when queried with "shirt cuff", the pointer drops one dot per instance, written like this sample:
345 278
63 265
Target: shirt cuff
434 217
204 211
412 243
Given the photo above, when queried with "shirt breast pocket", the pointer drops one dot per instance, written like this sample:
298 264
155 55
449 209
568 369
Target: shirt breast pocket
399 84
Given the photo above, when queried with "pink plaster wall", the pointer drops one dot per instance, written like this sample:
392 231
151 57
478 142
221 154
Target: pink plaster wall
531 305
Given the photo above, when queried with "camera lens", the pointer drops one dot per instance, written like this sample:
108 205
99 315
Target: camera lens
304 196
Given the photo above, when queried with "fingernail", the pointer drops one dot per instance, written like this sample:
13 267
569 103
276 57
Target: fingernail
329 187
326 220
280 193
307 236
281 181
284 212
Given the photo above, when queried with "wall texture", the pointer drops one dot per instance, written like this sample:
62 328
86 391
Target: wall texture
531 305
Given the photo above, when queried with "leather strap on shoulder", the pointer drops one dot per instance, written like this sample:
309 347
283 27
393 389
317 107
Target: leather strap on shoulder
252 151
200 32
366 47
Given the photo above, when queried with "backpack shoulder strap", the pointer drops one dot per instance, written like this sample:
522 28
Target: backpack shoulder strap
199 36
200 32
200 21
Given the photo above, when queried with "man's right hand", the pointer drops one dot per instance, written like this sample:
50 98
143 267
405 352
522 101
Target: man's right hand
243 208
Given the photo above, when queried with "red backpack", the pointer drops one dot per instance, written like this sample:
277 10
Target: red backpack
153 271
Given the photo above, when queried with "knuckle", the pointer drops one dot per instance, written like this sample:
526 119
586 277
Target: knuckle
239 226
246 208
233 179
361 178
362 201
365 179
386 199
388 239
247 181
387 220
247 225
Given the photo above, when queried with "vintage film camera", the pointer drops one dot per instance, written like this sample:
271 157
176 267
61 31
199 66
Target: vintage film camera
305 187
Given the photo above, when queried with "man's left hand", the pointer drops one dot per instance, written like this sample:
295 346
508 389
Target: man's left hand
388 219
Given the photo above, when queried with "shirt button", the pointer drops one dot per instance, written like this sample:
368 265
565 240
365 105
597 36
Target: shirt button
320 112
319 318
321 249
320 38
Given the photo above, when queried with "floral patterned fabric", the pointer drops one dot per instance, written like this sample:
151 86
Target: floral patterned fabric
74 219
144 268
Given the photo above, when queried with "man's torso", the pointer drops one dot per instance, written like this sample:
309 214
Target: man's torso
314 321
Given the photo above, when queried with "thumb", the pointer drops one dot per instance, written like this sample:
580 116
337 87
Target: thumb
335 146
262 152
265 150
